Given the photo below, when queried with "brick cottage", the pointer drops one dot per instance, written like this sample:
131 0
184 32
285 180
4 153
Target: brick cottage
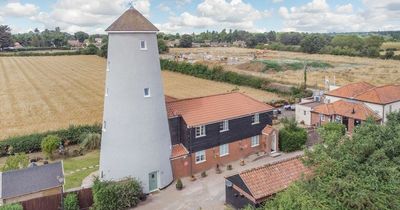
218 129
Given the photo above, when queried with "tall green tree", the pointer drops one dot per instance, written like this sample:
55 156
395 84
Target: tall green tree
186 41
81 36
5 37
313 43
358 172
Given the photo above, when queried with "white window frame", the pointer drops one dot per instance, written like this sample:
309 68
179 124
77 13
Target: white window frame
148 95
200 131
338 119
255 141
255 119
108 66
106 92
145 45
200 156
224 150
322 117
224 126
104 126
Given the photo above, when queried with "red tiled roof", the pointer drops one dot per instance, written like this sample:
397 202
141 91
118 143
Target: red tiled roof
170 98
381 95
355 110
268 129
350 90
209 109
178 150
270 179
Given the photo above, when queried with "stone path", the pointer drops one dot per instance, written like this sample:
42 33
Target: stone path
81 169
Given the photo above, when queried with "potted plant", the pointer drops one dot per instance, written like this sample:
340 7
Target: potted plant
218 170
203 174
179 184
229 167
242 162
192 178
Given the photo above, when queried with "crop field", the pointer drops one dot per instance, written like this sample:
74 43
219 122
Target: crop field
47 93
344 69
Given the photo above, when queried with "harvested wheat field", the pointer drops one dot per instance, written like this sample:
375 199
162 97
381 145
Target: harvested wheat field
345 69
47 93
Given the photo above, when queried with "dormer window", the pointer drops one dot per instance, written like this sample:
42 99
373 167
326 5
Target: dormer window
147 92
255 119
143 45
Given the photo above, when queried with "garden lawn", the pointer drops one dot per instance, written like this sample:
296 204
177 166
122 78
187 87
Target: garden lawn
75 163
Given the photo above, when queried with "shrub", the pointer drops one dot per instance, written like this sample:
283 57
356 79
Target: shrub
291 137
203 174
15 206
49 144
71 202
91 141
17 161
179 184
116 195
32 143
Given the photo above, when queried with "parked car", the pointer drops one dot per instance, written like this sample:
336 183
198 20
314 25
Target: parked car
293 107
286 106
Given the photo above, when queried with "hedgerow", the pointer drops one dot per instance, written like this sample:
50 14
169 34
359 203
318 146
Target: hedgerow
32 143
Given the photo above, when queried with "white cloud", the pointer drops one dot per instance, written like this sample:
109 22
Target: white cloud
183 2
318 16
277 1
16 9
217 14
89 16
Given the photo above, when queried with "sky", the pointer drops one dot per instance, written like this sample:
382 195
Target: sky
188 16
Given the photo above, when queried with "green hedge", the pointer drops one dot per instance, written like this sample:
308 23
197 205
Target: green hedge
11 207
116 195
32 143
218 74
291 137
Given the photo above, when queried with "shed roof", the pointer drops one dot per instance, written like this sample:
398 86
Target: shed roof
269 179
30 180
352 109
214 108
132 20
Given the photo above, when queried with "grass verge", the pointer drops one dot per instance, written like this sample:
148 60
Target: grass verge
72 164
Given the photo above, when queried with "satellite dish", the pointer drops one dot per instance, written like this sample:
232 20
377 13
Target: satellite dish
228 183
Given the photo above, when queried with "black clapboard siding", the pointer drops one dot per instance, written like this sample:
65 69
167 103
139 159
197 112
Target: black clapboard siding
175 129
240 128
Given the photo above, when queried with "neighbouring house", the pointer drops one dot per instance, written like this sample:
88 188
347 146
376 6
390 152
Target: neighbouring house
349 113
17 45
303 112
255 186
239 43
32 182
381 99
172 43
75 43
215 130
135 139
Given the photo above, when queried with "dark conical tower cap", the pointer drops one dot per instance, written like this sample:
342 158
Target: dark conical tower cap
132 20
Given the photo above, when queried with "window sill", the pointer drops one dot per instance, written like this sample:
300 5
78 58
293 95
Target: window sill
255 123
143 49
224 155
201 162
255 145
199 136
222 131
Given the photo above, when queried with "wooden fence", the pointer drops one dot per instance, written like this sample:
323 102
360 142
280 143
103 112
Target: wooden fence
53 202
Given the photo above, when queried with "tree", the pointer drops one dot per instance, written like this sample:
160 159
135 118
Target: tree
49 144
81 36
271 36
162 47
5 37
313 43
71 202
16 161
186 41
291 137
349 41
91 49
361 172
291 38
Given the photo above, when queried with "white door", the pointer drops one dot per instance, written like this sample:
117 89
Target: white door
273 143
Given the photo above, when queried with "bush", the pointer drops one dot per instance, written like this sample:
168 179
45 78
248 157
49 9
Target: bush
17 161
32 143
71 202
16 206
179 184
49 144
91 141
116 195
291 137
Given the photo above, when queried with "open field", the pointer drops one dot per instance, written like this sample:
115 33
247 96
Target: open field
346 69
47 93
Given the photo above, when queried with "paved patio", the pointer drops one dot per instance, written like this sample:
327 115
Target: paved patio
204 193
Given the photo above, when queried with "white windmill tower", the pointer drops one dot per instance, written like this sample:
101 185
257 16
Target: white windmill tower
136 141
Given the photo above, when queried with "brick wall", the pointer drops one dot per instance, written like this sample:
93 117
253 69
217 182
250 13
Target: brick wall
185 166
